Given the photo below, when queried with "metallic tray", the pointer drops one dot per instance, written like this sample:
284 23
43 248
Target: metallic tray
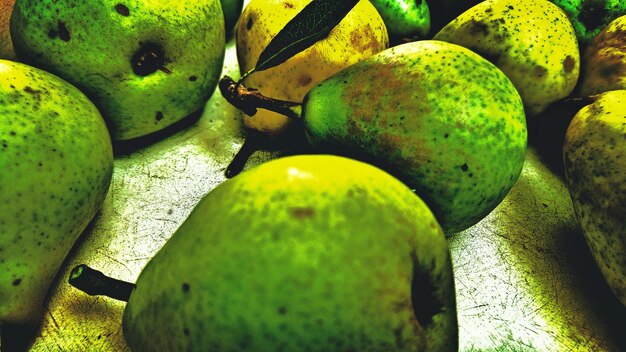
524 276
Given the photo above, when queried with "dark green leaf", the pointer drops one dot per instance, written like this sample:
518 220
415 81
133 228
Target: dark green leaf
310 25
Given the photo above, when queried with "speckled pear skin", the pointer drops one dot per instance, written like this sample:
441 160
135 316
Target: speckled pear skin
604 61
303 253
404 18
531 41
56 160
436 115
359 35
595 162
590 17
96 46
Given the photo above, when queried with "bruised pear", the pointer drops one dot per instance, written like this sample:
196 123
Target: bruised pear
436 115
531 41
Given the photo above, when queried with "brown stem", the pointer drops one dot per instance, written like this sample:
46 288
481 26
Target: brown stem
93 282
249 100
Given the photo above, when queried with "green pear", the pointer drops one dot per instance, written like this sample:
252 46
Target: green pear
594 154
531 41
302 253
145 64
404 19
56 160
589 17
436 115
604 61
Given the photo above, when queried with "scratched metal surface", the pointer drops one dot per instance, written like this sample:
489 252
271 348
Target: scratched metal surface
525 279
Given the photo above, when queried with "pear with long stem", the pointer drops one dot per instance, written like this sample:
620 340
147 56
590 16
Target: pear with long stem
423 111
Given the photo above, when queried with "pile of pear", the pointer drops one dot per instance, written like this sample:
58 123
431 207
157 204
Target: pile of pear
439 126
420 117
75 82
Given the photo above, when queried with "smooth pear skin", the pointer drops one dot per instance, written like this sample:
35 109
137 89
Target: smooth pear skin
56 160
604 63
531 41
145 64
595 163
359 35
436 115
303 253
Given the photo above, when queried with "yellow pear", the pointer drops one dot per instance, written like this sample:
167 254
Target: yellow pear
359 35
531 41
595 162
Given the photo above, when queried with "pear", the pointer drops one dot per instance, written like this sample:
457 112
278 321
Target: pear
56 160
594 154
604 61
359 35
404 19
436 115
145 64
531 41
589 17
301 253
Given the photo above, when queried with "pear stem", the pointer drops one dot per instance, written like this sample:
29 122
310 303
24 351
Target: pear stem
94 282
249 100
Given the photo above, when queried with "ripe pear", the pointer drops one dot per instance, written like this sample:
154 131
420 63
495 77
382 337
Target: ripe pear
404 19
6 45
604 61
589 17
145 64
359 35
302 253
436 115
531 41
56 160
594 154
